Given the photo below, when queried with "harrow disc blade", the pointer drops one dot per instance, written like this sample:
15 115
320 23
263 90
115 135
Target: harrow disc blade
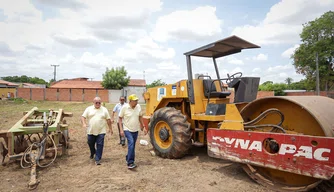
3 152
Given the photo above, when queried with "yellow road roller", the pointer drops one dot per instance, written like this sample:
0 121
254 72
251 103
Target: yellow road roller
284 143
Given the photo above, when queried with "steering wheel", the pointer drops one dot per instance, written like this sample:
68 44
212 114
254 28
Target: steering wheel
231 77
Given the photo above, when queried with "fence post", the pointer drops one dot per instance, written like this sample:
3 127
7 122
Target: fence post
83 95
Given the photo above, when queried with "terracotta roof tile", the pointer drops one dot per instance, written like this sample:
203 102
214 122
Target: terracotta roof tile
77 84
8 83
137 82
80 84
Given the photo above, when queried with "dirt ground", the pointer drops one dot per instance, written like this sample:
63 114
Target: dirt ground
76 172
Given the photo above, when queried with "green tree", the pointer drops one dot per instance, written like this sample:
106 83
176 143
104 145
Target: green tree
317 37
278 88
267 83
156 83
304 84
25 79
115 78
288 81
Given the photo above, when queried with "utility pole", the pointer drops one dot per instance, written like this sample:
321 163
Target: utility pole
317 73
54 72
144 75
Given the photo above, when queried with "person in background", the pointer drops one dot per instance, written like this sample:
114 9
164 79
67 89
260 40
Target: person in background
130 120
117 109
96 118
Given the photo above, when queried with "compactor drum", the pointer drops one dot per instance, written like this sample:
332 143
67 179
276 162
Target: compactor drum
303 115
283 143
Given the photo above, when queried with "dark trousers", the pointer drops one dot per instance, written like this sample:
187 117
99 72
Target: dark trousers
121 139
99 141
132 138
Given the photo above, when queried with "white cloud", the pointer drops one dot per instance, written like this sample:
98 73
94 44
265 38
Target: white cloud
145 49
236 70
283 23
283 75
279 68
256 70
76 41
233 60
21 11
167 66
197 24
287 53
72 4
69 58
261 57
86 19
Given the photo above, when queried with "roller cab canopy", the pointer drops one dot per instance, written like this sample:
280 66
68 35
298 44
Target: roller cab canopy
223 47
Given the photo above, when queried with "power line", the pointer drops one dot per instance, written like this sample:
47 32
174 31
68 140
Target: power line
54 72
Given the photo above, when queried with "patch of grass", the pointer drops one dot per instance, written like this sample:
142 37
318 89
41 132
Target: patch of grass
18 100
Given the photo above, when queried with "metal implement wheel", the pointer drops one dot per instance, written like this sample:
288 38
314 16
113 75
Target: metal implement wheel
170 133
3 152
310 115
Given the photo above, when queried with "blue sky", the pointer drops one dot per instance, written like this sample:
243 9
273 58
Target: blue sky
85 37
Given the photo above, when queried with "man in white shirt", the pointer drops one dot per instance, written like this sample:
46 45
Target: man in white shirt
130 120
117 109
98 119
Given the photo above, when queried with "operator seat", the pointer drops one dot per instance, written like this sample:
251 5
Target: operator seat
213 91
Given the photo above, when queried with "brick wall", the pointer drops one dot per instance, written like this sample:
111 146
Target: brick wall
90 94
51 94
103 94
23 93
76 95
261 94
37 94
64 95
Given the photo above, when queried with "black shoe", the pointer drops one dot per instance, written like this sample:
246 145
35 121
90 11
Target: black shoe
132 166
91 156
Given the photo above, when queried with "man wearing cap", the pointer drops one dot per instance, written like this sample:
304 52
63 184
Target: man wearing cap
130 120
98 118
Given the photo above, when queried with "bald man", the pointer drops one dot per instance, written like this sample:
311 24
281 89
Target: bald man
98 119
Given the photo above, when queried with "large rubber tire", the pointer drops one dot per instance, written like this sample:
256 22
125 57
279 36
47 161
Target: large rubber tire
177 142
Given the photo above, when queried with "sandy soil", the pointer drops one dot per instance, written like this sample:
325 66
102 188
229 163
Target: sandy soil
76 172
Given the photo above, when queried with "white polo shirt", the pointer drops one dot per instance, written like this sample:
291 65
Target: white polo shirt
130 117
97 120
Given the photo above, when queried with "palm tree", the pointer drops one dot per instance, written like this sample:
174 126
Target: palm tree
288 81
